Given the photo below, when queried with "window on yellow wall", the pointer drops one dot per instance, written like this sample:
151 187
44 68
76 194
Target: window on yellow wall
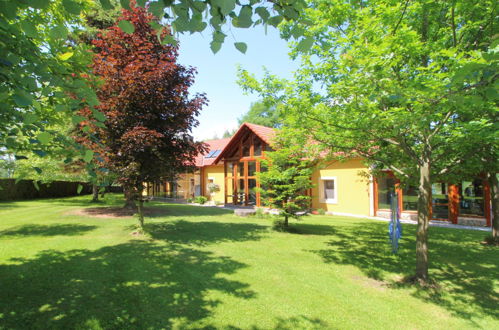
328 190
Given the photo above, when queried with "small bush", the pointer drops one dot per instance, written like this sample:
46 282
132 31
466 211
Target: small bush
321 211
200 200
189 200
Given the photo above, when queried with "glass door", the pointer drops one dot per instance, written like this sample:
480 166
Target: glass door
471 199
440 201
241 187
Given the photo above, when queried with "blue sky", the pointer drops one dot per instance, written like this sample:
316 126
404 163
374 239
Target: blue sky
217 73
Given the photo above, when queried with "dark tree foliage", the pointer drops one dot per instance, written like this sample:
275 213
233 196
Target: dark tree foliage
145 97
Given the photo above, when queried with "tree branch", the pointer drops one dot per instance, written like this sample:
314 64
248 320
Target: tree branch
440 124
401 17
448 168
399 171
453 23
466 88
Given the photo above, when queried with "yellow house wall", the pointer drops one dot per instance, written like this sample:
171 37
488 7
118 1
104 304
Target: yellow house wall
217 173
352 189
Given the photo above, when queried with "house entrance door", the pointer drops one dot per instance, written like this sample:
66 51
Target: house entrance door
440 201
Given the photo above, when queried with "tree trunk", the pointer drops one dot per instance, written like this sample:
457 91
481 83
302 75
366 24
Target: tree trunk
494 196
129 199
140 211
95 193
424 202
285 221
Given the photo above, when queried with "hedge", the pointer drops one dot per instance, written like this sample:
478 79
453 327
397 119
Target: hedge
25 189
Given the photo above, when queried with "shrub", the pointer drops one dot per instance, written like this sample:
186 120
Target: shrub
200 200
321 211
189 200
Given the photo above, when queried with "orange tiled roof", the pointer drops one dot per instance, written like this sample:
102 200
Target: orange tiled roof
263 132
213 145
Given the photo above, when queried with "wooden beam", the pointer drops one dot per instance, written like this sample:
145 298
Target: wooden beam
246 183
225 182
453 203
258 202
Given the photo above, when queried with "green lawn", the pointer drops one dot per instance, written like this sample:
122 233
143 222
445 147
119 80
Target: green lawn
204 268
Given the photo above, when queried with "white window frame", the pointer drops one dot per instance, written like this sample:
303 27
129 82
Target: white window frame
321 189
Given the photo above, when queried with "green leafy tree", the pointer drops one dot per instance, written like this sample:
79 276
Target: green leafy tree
285 183
44 67
394 82
262 114
219 16
50 167
43 77
95 20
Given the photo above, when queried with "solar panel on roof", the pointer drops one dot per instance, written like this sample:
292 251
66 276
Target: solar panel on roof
213 154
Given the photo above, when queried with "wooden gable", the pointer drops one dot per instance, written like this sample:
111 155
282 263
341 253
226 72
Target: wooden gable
245 144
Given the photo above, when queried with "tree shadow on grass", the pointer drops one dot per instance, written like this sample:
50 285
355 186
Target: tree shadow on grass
7 205
134 285
192 210
464 269
204 232
291 323
311 229
83 200
46 230
151 210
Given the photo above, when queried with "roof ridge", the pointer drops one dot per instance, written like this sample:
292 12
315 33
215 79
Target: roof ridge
248 123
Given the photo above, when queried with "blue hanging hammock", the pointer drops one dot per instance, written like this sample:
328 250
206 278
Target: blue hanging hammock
394 227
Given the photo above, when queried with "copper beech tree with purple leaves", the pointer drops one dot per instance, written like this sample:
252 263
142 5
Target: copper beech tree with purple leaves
145 98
